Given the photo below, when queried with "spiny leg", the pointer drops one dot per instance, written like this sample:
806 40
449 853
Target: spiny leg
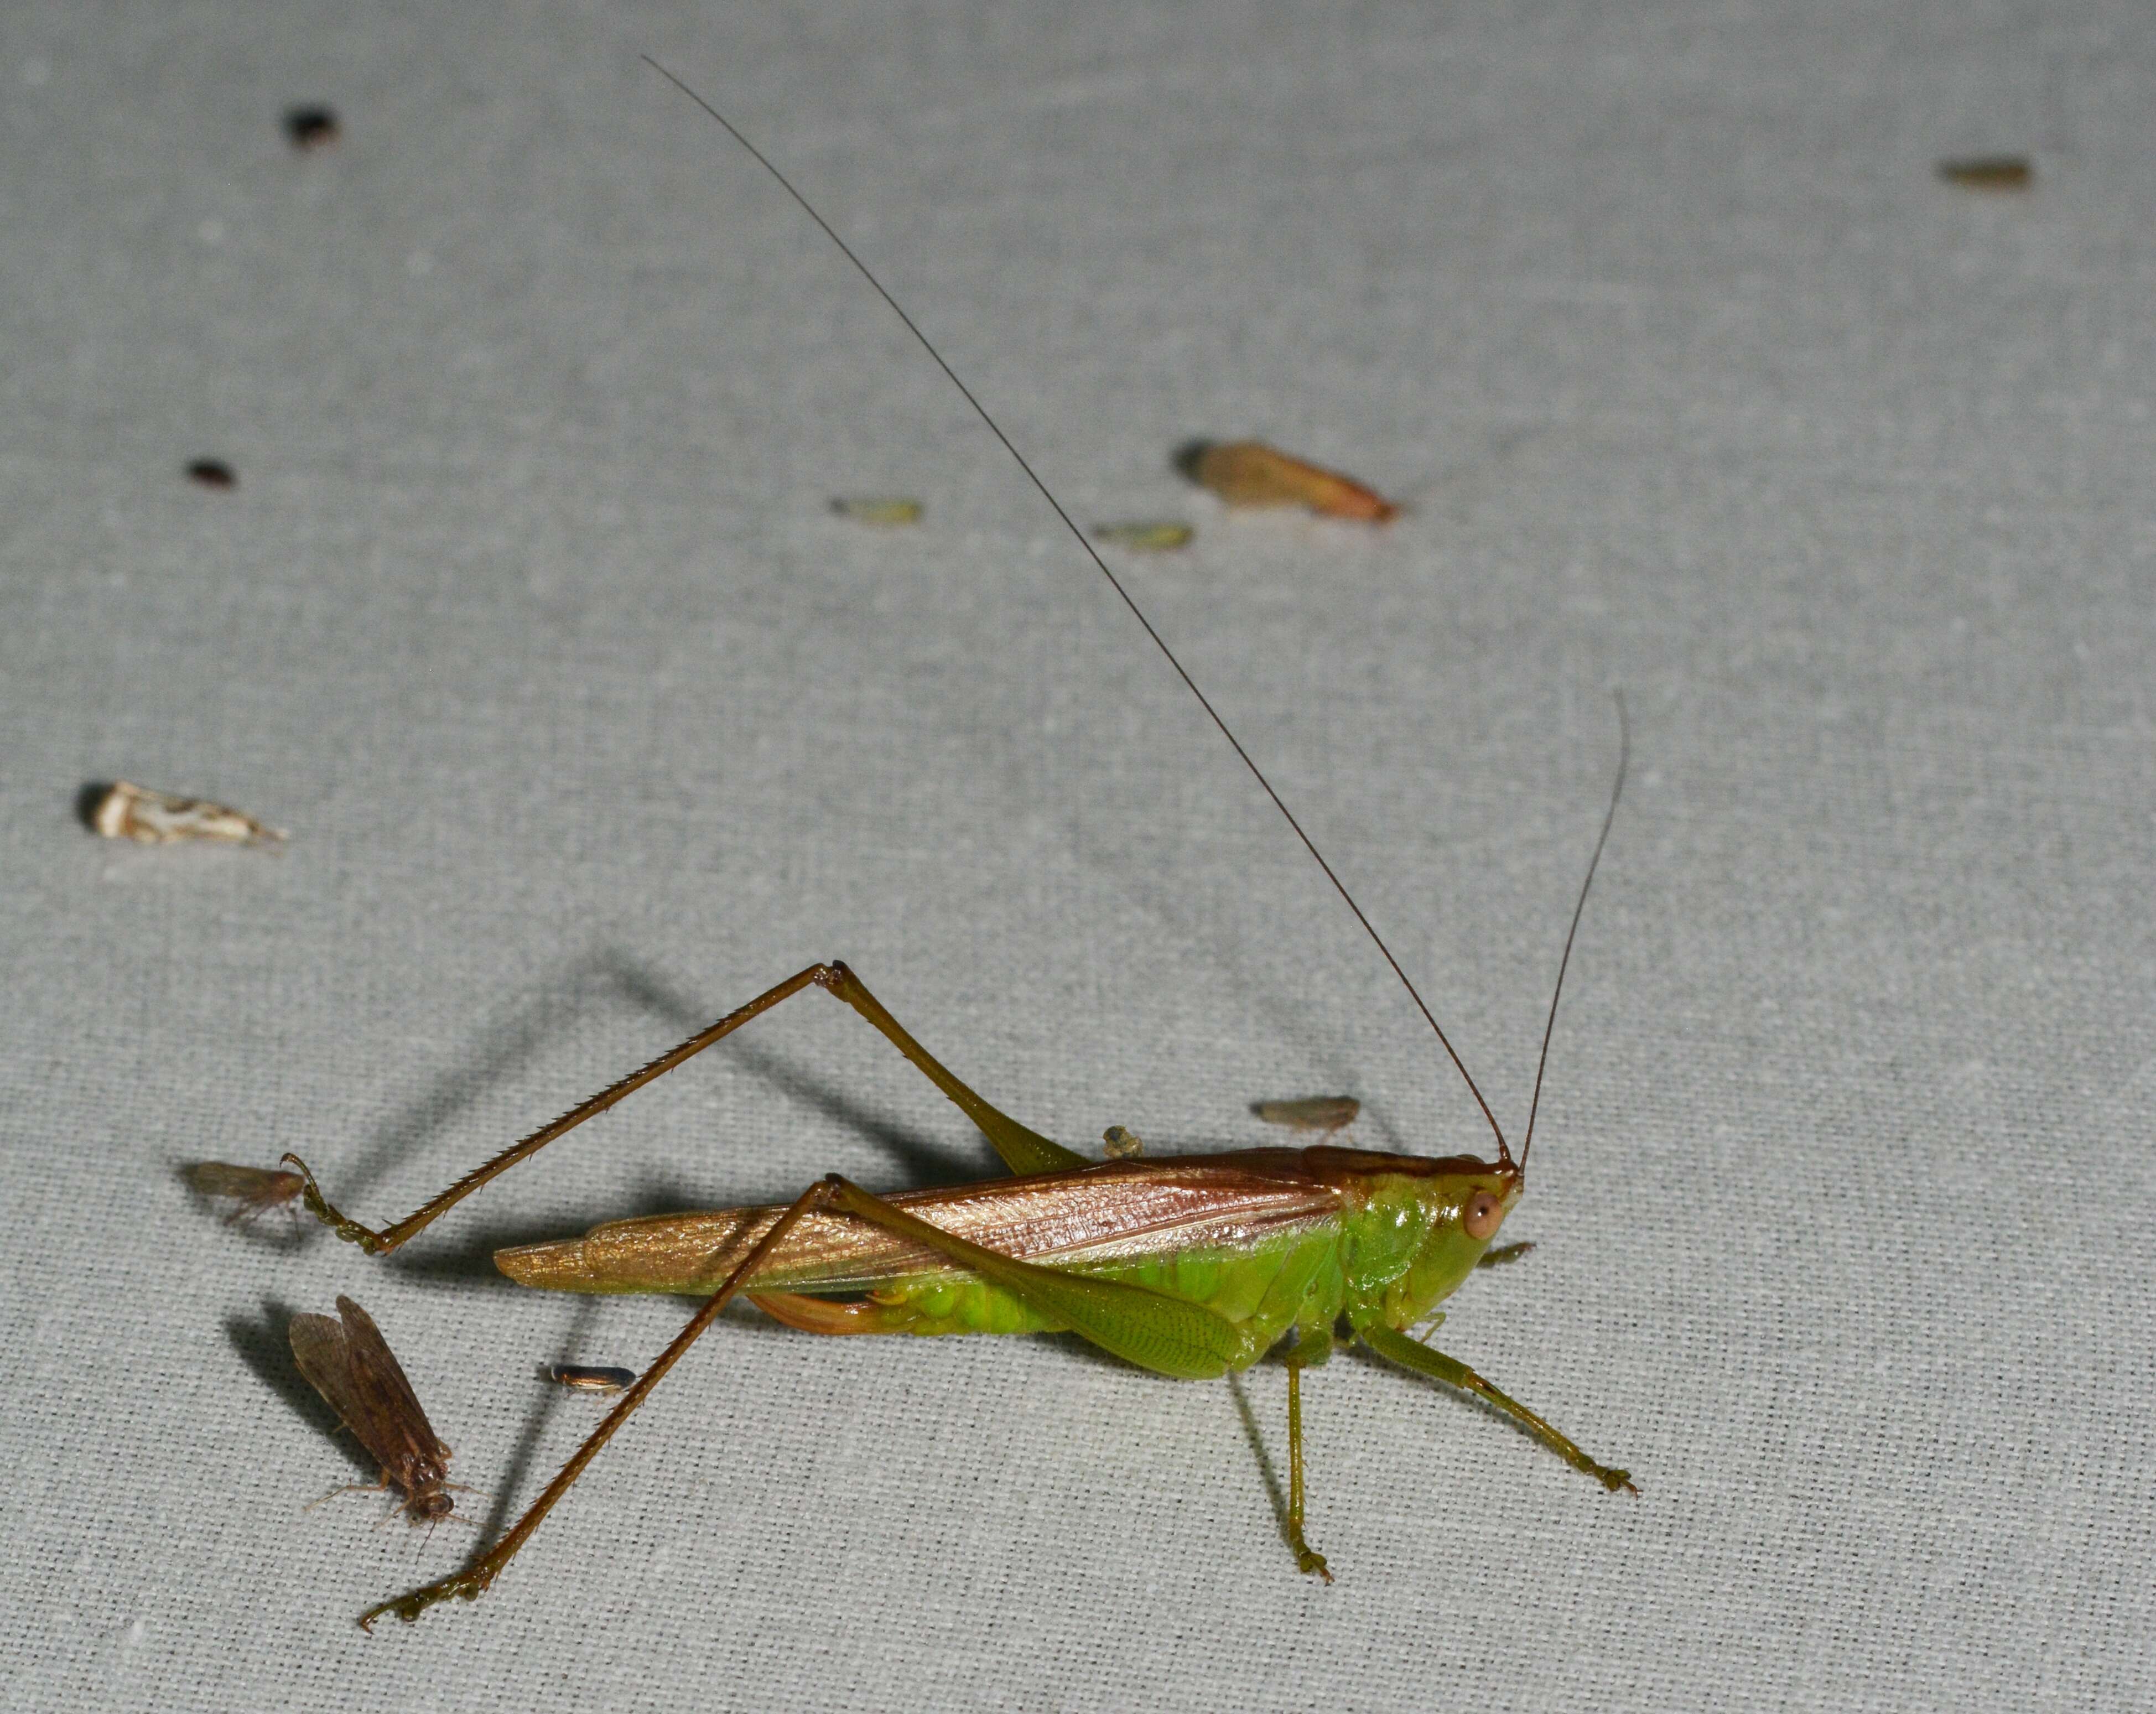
471 1582
1421 1360
1164 1334
1023 1151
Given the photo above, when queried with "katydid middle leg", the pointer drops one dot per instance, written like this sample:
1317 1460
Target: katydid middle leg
1307 1558
1024 1151
1167 1335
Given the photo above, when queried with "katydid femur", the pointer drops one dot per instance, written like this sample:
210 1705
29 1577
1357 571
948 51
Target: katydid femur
1188 1266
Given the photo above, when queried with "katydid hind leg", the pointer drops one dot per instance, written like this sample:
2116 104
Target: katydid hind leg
1420 1359
1024 1151
474 1579
1160 1333
1167 1335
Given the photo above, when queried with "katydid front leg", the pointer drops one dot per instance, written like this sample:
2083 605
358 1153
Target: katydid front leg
1398 1347
1024 1151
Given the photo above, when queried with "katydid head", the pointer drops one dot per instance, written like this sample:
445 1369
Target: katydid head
1467 1210
1420 1226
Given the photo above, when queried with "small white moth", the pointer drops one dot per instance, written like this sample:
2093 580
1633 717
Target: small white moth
131 812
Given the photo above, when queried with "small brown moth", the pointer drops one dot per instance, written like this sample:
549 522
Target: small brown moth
250 1191
351 1365
591 1377
1249 473
1323 1112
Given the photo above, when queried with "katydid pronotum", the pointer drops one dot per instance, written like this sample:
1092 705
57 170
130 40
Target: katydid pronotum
1189 1266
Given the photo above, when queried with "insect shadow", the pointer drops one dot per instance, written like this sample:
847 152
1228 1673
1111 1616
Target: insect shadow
504 1047
930 1164
1211 953
1276 1496
264 1344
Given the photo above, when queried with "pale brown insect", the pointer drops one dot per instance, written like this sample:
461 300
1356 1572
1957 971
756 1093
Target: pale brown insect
131 812
591 1377
1323 1112
1249 473
351 1365
251 1192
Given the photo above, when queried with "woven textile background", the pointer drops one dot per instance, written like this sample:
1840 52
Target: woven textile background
529 617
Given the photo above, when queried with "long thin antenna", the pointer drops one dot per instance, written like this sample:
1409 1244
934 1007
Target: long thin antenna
1616 790
1114 583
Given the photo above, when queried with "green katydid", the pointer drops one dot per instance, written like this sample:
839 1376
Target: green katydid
1189 1267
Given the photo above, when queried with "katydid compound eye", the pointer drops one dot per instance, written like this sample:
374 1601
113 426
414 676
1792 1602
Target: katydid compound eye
1482 1215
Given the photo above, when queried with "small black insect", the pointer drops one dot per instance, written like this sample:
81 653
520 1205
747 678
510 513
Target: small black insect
311 127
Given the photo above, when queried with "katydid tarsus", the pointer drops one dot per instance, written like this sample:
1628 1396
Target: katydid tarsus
1188 1267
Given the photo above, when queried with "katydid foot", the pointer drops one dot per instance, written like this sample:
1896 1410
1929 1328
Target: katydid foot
366 1237
466 1586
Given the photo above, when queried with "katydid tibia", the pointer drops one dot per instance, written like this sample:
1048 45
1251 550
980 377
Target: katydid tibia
1190 1266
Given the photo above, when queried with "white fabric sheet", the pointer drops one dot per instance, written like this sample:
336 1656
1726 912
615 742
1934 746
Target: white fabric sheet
528 617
